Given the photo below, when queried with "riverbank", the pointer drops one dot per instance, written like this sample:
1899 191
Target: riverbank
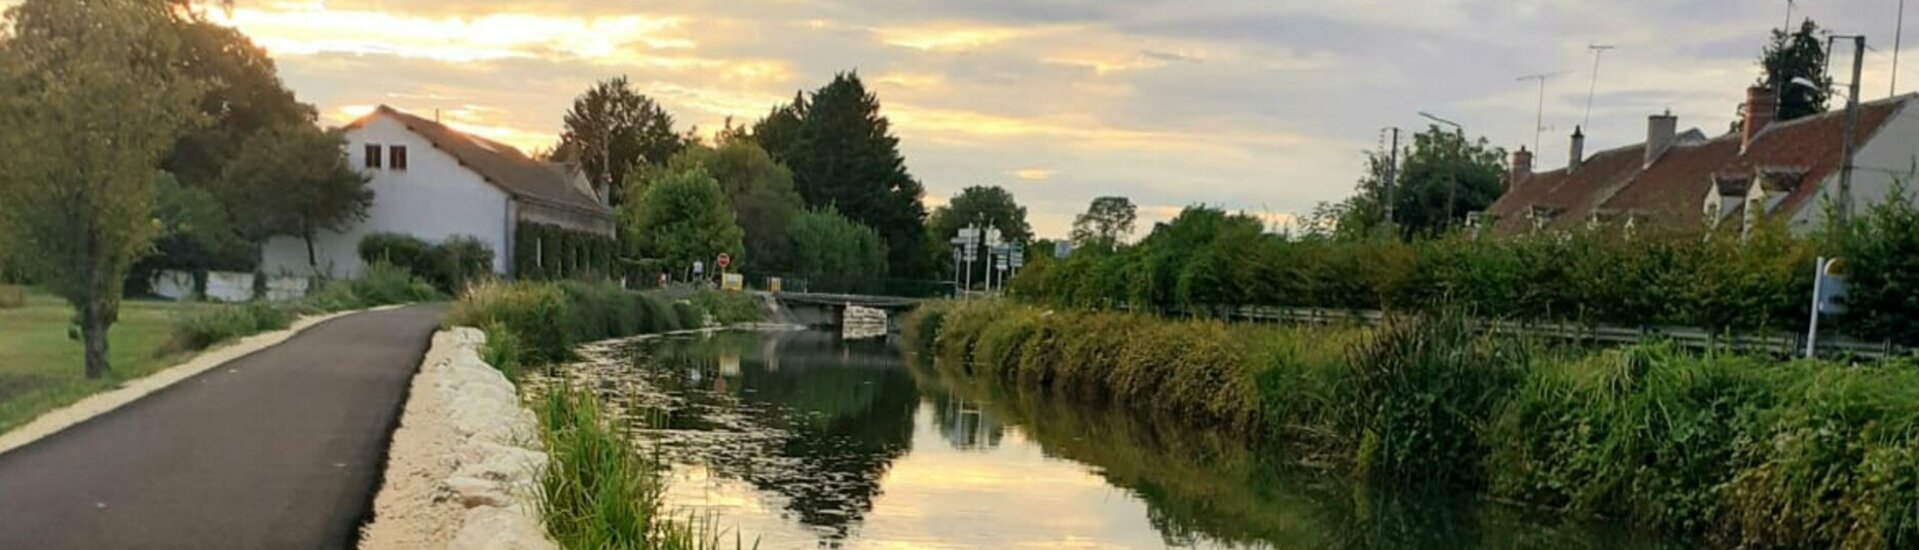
1733 450
595 489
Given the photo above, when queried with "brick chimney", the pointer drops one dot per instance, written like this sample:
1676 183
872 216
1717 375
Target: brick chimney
1578 153
1661 129
1522 167
1761 105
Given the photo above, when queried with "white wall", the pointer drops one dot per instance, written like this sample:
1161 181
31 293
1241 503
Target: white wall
1887 154
433 199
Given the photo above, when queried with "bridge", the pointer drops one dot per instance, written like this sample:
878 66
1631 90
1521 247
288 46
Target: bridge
826 309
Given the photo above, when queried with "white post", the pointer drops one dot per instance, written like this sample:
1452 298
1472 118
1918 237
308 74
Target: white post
1818 287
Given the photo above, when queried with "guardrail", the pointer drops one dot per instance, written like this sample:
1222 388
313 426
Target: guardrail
1783 343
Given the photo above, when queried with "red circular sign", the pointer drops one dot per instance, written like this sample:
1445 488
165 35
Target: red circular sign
724 259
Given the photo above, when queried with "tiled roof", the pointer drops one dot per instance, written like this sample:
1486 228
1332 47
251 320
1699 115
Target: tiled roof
1671 192
499 164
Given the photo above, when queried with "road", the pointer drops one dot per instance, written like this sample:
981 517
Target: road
279 449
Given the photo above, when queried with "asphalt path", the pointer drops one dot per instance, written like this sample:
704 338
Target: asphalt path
282 448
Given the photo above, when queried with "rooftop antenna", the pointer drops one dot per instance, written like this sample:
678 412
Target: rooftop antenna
1598 50
1897 30
1539 112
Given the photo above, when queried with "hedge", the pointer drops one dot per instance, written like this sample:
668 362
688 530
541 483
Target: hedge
549 252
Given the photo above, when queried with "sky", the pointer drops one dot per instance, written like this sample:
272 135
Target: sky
1255 105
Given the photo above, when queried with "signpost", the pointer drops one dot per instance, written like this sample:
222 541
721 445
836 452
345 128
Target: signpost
1828 286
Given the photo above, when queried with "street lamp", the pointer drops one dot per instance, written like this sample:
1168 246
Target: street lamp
1452 189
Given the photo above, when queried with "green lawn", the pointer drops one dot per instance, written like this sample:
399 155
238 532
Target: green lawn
40 369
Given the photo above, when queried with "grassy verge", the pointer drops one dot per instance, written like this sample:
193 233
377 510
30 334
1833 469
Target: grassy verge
1736 450
40 367
598 491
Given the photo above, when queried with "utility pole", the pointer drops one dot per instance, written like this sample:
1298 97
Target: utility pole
1898 30
1852 124
1392 175
1598 50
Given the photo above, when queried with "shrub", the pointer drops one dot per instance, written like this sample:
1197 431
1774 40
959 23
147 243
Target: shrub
458 262
12 297
397 249
385 283
728 308
534 315
202 329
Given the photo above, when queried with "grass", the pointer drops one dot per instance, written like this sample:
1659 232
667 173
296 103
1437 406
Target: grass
40 367
1734 450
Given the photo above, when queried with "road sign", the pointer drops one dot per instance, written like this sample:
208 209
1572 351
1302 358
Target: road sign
723 260
733 281
699 268
1017 256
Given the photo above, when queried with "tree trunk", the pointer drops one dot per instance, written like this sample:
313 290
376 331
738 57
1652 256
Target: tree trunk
313 261
94 321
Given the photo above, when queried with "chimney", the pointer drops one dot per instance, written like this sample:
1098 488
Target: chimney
1522 167
1660 131
1578 151
1761 105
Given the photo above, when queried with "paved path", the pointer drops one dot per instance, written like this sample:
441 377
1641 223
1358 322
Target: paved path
279 449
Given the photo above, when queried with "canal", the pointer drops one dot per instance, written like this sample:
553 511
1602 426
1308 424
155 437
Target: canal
801 440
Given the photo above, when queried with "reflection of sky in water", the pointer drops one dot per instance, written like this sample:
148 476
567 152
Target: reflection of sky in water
801 440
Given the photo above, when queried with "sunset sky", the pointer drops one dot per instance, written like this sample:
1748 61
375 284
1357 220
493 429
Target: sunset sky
1258 105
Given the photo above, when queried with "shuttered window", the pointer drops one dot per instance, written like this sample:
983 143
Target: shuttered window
372 155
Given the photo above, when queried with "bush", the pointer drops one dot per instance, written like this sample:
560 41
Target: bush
12 297
397 249
449 266
533 314
202 329
385 283
728 308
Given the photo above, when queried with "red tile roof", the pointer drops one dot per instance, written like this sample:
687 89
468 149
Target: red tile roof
1671 193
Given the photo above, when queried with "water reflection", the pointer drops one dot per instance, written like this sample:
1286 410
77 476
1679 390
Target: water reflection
802 439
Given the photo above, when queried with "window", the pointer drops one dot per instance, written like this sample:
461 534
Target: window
396 157
372 155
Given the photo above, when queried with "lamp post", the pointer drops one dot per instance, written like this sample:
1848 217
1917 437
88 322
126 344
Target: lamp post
1452 187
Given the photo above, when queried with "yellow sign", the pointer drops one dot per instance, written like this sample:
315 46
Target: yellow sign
733 281
773 285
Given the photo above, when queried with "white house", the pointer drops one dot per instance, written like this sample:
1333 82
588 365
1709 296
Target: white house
434 182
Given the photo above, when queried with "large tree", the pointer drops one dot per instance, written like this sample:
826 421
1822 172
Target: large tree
1107 222
680 216
844 155
1794 55
760 192
612 130
294 180
781 127
89 107
836 254
1439 168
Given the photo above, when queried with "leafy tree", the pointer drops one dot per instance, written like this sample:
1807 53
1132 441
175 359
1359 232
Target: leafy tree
1881 261
195 235
243 96
1106 223
1437 163
835 253
88 114
1789 56
985 206
781 128
759 190
611 130
680 216
845 155
294 180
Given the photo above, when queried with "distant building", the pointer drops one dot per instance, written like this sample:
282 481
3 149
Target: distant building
1679 181
434 182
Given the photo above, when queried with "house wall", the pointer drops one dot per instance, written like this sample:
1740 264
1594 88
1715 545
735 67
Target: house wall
434 198
1889 154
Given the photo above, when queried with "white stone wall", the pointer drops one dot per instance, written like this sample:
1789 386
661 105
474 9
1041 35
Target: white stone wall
433 199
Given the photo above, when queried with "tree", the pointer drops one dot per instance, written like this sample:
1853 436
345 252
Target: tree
1107 222
985 206
1429 170
1790 56
681 217
759 190
612 130
294 180
88 113
781 127
845 155
836 254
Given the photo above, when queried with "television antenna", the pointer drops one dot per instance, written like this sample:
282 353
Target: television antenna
1539 112
1597 50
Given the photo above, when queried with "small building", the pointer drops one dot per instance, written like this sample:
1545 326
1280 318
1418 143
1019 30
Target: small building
1686 181
433 182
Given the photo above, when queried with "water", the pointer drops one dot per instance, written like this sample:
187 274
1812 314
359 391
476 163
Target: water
800 440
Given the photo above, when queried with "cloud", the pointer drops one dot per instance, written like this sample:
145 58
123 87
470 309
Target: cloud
1033 174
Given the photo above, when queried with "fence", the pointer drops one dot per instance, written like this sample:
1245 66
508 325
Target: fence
1782 343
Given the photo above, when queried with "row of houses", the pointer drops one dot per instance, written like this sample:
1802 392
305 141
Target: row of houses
1674 180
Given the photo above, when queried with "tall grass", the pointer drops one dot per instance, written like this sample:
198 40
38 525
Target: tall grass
599 491
1739 450
12 296
546 319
